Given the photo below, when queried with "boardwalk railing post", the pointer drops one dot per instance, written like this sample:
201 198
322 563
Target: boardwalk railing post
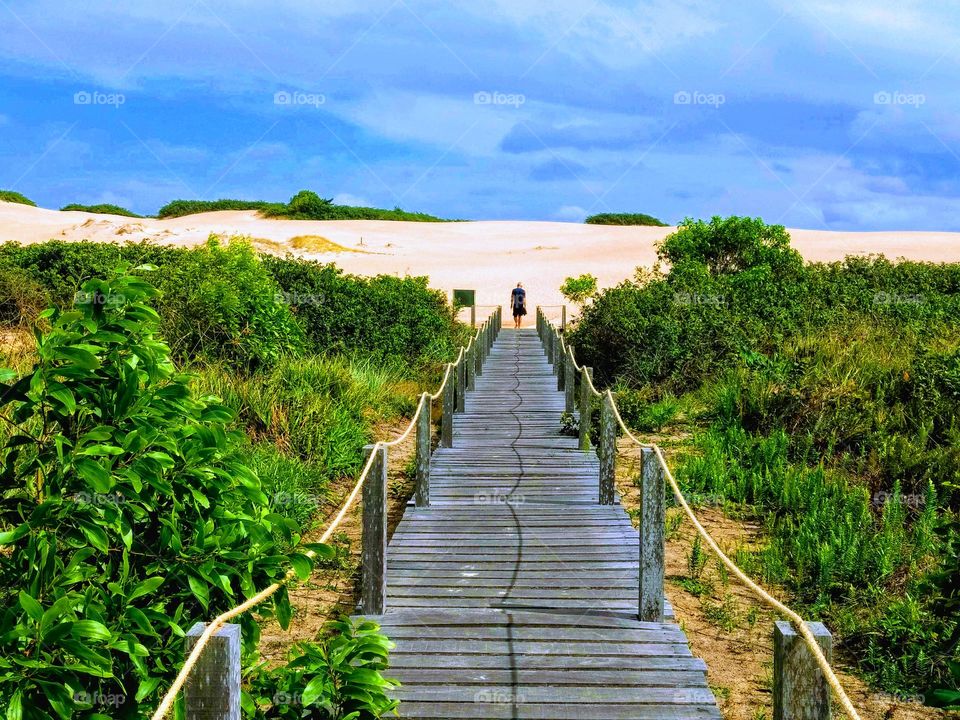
478 356
585 414
563 318
422 493
212 690
373 592
652 527
570 383
607 451
461 371
446 420
473 316
562 367
471 367
800 692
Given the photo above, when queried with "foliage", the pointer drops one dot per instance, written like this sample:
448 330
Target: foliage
579 289
305 205
126 515
340 679
12 196
826 401
624 219
384 315
21 298
104 208
179 208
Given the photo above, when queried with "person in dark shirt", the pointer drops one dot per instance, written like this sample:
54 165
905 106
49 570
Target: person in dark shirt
518 302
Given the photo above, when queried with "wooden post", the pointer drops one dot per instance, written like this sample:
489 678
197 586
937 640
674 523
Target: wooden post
562 367
800 691
212 690
570 389
607 451
477 356
652 522
373 592
471 364
473 316
422 492
585 418
446 420
462 383
563 318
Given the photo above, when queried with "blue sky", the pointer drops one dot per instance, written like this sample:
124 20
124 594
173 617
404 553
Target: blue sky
824 115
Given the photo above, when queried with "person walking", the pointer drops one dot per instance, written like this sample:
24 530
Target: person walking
518 302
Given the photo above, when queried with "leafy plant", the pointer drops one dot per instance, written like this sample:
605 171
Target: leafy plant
104 208
338 679
579 289
126 515
623 219
12 196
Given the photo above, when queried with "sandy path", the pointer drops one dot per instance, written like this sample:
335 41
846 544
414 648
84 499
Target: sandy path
489 256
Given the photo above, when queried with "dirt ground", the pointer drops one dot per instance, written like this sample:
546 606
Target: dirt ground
728 626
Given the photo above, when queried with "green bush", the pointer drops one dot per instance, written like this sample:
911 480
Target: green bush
624 219
103 208
11 196
126 516
579 289
179 208
385 316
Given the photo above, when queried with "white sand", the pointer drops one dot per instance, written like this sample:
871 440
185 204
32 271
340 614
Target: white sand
490 257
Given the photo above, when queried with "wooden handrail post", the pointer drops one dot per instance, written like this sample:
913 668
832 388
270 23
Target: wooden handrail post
563 318
570 383
446 419
607 451
422 492
800 692
471 364
373 592
473 316
478 356
652 530
461 372
212 690
585 414
562 367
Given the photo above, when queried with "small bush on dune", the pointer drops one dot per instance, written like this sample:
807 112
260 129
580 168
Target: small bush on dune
103 208
12 196
624 219
179 208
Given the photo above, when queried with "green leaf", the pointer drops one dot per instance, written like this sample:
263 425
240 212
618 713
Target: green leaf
200 590
15 708
91 630
83 359
31 606
302 565
11 536
313 691
145 588
95 536
94 473
281 604
322 550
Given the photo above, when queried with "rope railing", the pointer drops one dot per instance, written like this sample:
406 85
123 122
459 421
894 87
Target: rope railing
485 334
565 355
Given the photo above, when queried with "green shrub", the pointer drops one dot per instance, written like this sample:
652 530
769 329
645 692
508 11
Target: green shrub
103 208
11 196
579 289
126 516
21 298
624 219
179 208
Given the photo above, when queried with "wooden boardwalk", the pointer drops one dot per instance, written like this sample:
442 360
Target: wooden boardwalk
515 594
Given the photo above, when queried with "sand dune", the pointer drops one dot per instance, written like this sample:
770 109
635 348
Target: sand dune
489 256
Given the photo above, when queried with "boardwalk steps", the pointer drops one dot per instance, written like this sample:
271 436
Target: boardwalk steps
514 595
